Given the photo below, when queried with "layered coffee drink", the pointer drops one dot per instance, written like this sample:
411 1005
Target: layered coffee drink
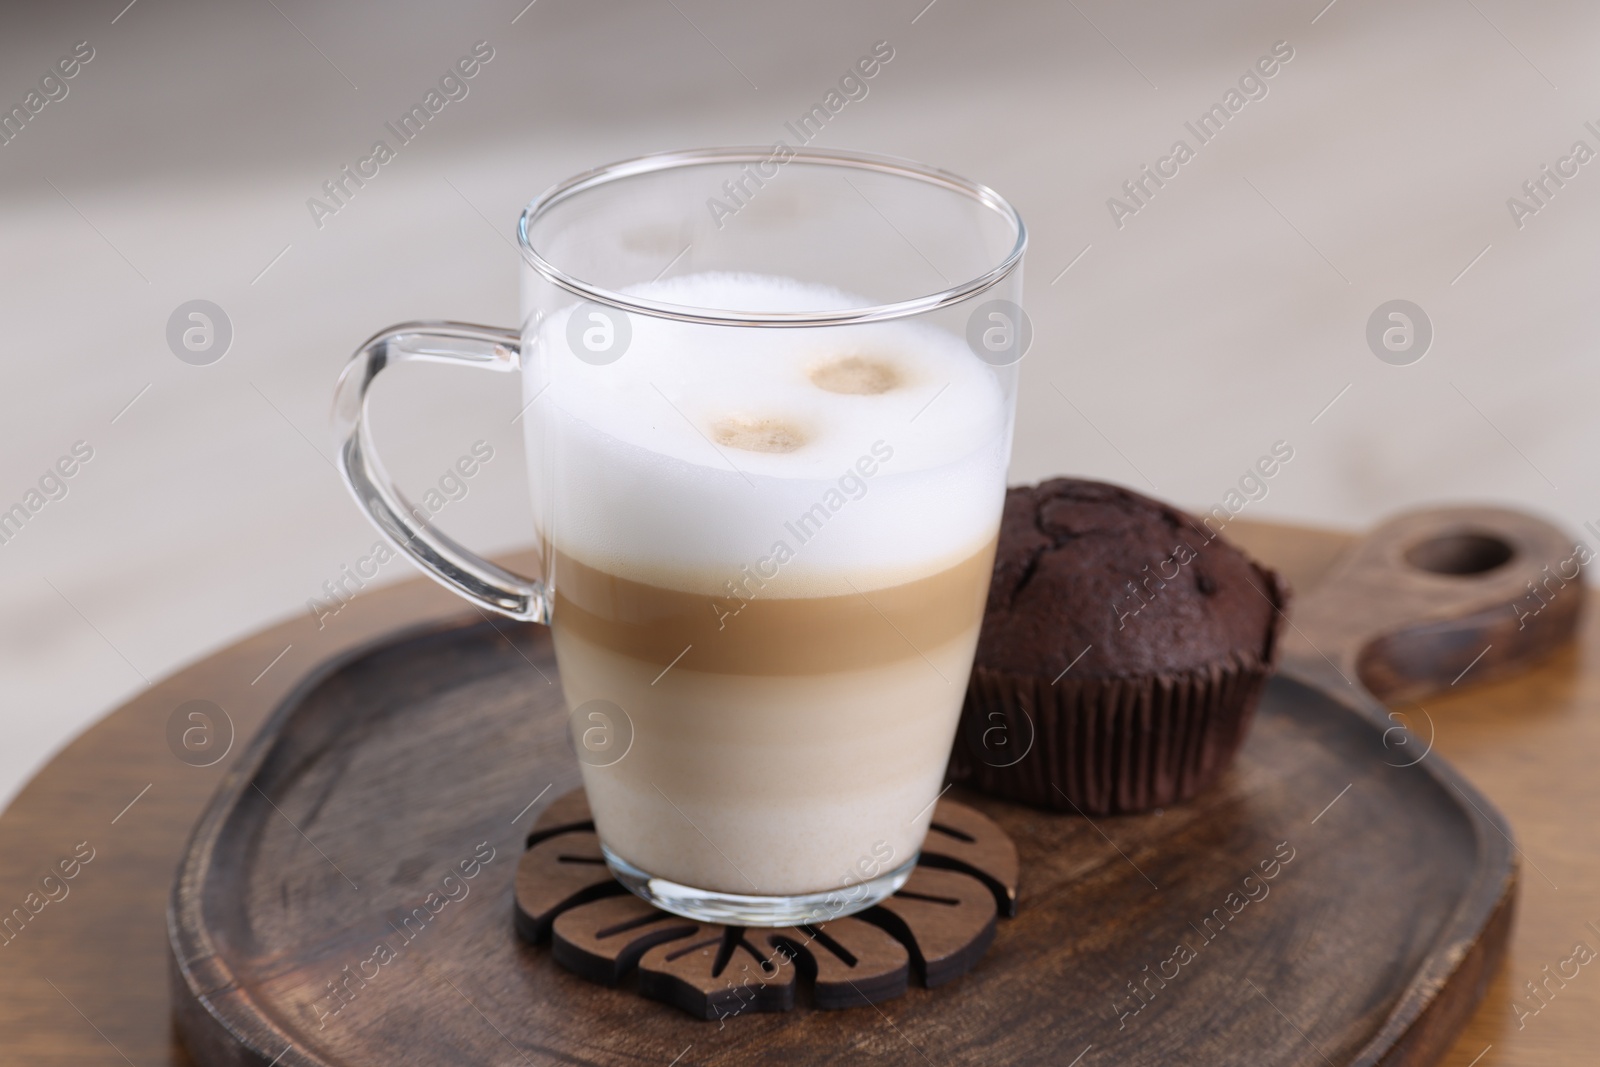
769 549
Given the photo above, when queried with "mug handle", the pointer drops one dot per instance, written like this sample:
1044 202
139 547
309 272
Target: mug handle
453 566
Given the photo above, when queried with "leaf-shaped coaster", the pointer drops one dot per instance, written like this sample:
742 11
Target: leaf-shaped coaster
937 926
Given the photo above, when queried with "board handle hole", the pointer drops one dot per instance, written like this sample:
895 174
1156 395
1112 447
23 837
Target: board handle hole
1460 553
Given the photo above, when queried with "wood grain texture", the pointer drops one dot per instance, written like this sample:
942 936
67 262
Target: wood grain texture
1431 595
1409 611
1419 903
329 892
85 982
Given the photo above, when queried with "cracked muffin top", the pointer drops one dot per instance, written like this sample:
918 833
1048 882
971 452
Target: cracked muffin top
1116 584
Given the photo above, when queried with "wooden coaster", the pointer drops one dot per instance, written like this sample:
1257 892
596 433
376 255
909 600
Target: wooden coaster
938 925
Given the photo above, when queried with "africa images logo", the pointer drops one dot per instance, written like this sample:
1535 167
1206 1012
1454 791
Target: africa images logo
339 190
1252 85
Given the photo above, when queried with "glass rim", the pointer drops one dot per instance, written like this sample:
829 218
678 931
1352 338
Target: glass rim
661 161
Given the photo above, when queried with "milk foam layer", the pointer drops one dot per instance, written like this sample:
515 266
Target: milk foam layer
630 476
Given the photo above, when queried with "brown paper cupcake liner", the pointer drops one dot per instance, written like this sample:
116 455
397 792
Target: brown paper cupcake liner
1104 746
1108 746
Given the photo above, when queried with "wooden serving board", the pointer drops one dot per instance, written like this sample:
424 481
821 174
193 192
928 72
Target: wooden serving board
1341 897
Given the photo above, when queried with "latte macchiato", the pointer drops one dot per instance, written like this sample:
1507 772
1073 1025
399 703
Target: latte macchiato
767 508
770 548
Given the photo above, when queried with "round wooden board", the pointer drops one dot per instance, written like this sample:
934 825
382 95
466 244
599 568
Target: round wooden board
382 777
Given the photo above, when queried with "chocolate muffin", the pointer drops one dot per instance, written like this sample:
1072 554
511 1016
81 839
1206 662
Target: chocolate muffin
1124 648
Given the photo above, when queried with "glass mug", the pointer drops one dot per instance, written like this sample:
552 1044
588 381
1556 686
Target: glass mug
768 401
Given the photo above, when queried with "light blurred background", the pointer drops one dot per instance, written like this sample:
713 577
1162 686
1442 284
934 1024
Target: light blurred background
1226 315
